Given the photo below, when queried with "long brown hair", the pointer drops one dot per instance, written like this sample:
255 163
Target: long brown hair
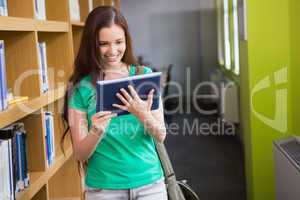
88 60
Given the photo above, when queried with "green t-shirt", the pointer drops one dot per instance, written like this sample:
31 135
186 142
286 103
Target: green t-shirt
126 156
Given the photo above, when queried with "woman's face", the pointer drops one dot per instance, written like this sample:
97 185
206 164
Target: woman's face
112 45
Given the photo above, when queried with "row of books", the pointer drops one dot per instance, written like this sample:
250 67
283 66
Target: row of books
3 84
75 11
40 9
14 174
49 137
4 97
13 158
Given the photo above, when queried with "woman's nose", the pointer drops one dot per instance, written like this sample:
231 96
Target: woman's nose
113 49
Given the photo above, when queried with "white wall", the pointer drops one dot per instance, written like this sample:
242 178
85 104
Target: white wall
178 32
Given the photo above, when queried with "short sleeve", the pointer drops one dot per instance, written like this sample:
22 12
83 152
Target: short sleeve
76 101
147 70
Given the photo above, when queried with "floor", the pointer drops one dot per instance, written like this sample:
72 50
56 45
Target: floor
210 161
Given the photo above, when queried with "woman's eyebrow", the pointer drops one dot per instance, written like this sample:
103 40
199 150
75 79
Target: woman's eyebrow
109 41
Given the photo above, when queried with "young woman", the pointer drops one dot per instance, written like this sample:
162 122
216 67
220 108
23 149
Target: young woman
119 151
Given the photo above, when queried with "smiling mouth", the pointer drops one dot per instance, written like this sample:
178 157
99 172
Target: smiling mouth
112 58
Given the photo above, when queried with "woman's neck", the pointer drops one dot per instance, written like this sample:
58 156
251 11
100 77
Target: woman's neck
117 72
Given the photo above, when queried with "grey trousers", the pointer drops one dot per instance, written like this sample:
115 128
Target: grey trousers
153 191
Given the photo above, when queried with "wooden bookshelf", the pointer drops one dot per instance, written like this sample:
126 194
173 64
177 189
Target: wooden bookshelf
21 33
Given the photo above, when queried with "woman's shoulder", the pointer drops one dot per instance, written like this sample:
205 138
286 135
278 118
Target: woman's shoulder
134 69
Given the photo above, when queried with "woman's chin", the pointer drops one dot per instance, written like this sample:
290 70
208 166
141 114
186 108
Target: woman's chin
113 64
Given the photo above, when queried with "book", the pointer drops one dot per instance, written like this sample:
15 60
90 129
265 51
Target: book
5 169
15 171
107 90
43 71
74 10
40 10
90 5
3 84
17 99
49 137
3 8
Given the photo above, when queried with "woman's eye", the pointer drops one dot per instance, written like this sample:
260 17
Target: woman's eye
102 44
119 42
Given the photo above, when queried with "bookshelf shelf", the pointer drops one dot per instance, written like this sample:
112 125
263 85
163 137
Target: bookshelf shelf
29 45
16 112
27 24
51 26
79 24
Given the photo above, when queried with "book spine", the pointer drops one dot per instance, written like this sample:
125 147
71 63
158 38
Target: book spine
43 67
1 76
52 137
7 177
90 5
26 172
4 169
20 183
40 12
14 162
3 8
1 171
3 86
11 179
74 10
47 138
6 191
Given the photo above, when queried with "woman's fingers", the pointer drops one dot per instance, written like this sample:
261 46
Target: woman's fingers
150 98
101 114
109 116
120 107
124 101
126 95
133 93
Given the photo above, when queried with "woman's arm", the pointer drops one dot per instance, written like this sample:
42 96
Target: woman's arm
84 142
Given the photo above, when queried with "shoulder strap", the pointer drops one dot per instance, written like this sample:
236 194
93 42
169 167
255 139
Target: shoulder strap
174 191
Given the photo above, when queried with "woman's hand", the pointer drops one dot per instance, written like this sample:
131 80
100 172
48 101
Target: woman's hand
100 120
133 103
